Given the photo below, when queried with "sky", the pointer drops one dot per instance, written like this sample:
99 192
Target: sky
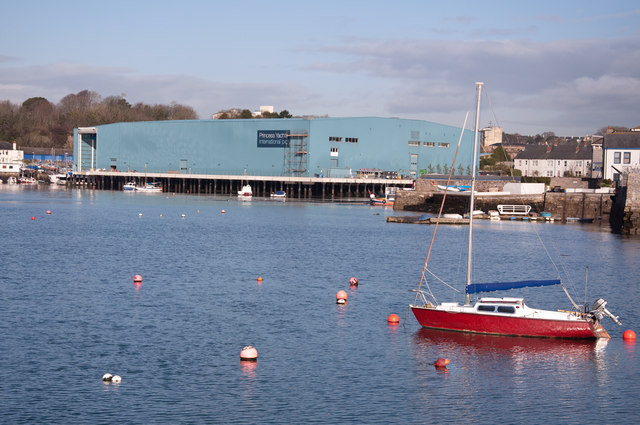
567 67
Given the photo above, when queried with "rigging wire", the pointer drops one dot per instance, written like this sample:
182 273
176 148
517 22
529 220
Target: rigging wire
444 197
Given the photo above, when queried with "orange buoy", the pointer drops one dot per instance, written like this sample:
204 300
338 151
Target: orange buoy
629 335
259 278
223 211
441 362
48 212
393 319
341 297
249 353
137 278
353 281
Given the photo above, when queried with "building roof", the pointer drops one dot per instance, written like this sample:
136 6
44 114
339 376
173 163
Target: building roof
626 140
564 151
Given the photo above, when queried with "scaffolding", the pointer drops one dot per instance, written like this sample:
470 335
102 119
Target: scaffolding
296 155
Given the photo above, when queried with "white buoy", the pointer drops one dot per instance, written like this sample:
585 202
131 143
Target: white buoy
116 379
184 215
107 377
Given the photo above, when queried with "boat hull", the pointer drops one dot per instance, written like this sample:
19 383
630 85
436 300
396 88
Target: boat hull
474 322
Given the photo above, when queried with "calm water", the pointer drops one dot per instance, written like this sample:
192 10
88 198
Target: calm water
70 313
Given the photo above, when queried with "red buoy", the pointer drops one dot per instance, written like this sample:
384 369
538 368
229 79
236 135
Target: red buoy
353 281
629 335
249 353
341 297
393 319
33 218
441 362
137 278
259 278
48 212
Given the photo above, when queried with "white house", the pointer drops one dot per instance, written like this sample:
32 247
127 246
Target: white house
621 154
10 159
572 159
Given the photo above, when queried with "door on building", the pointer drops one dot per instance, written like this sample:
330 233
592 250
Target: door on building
413 165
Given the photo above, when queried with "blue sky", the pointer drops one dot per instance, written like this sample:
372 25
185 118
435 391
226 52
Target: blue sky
570 67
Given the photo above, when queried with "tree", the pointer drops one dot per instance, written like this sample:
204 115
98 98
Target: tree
285 114
246 114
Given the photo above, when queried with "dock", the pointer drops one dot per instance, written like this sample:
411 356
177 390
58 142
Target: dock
262 186
417 219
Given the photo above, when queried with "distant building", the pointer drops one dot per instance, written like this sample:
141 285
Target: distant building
621 153
11 159
330 147
572 159
491 136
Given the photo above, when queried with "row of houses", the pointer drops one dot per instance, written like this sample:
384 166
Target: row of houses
608 157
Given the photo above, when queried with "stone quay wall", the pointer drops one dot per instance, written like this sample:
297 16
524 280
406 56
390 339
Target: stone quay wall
631 217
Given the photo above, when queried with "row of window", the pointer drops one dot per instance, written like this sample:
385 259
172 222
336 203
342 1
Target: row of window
626 159
346 139
428 144
534 162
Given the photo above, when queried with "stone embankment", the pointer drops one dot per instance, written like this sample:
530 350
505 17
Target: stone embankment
625 212
562 205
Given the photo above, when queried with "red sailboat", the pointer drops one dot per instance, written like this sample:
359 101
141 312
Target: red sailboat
506 316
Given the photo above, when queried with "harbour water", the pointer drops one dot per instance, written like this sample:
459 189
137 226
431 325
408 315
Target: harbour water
70 313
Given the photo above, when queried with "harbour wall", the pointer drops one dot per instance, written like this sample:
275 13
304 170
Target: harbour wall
625 213
562 205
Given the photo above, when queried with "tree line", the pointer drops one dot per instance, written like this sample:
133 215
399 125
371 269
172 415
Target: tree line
40 123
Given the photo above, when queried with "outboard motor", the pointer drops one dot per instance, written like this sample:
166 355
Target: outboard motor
599 308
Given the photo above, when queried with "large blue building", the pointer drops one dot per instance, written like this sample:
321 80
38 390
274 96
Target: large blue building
330 147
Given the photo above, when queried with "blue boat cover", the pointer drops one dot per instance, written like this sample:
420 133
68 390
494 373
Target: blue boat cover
500 286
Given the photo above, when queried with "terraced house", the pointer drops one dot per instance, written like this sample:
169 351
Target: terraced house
572 159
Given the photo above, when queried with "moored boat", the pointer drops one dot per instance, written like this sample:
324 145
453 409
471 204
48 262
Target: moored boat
130 186
245 192
506 315
153 187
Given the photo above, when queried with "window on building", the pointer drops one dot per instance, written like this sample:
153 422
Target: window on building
534 162
335 139
549 173
627 158
414 143
565 163
616 157
429 144
334 150
443 145
351 139
550 163
579 163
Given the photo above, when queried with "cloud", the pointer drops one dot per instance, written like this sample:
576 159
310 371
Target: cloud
541 80
58 80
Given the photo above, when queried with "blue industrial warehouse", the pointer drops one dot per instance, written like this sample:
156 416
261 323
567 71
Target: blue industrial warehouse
294 147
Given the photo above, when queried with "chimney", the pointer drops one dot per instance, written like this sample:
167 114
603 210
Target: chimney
14 146
548 148
578 148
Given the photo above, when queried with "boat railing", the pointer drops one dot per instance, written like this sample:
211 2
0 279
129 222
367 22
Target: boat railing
514 209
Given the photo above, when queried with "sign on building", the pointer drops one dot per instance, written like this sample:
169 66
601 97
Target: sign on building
273 138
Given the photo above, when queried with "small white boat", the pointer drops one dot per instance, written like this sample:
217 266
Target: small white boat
12 180
129 186
149 187
245 192
280 194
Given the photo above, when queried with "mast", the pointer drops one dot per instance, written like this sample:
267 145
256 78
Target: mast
473 186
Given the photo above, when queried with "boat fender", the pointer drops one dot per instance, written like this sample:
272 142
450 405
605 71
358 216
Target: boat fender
432 182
